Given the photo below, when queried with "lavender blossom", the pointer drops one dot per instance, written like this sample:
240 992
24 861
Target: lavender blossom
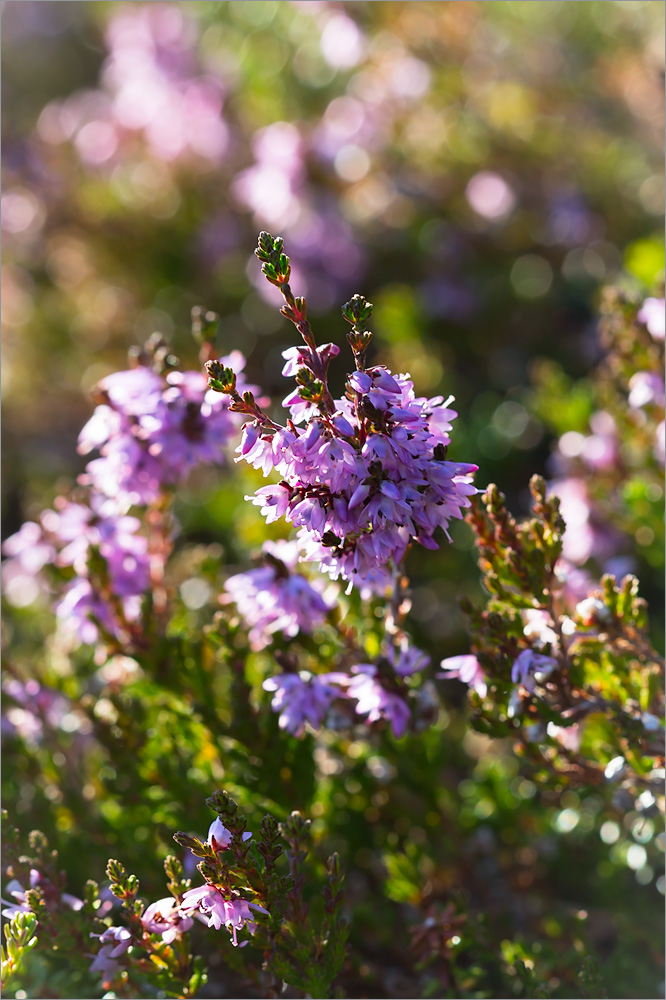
303 697
15 889
77 534
152 431
375 700
530 667
583 537
211 905
37 707
115 941
363 481
405 658
467 669
152 96
539 627
164 917
20 904
273 598
30 547
28 552
592 611
219 837
645 389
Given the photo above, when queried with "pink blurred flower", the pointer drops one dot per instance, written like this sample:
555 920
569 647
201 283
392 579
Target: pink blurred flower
465 668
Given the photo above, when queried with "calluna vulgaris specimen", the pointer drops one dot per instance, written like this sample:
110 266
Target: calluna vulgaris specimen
559 664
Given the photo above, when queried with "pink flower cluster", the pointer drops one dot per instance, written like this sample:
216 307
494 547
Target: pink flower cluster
377 690
274 598
363 480
211 904
76 535
152 430
217 908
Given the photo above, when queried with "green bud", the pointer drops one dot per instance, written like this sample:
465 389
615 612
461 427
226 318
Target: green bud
220 379
115 871
275 263
357 311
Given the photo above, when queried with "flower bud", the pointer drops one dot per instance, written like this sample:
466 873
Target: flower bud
219 837
220 378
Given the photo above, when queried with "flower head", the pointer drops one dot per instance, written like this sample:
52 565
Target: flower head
375 700
164 917
274 598
530 667
303 698
219 837
652 314
405 658
466 669
115 941
20 904
212 906
151 431
362 482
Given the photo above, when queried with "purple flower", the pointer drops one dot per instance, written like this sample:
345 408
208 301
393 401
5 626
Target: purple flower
530 667
210 905
152 96
274 599
20 905
583 537
15 889
36 707
303 697
539 627
152 431
375 701
164 917
592 611
30 546
362 479
76 535
115 941
467 669
405 658
28 552
82 612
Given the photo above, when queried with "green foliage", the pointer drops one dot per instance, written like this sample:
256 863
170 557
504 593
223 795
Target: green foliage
20 939
597 659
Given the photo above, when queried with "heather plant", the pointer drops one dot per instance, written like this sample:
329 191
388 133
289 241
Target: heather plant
374 837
